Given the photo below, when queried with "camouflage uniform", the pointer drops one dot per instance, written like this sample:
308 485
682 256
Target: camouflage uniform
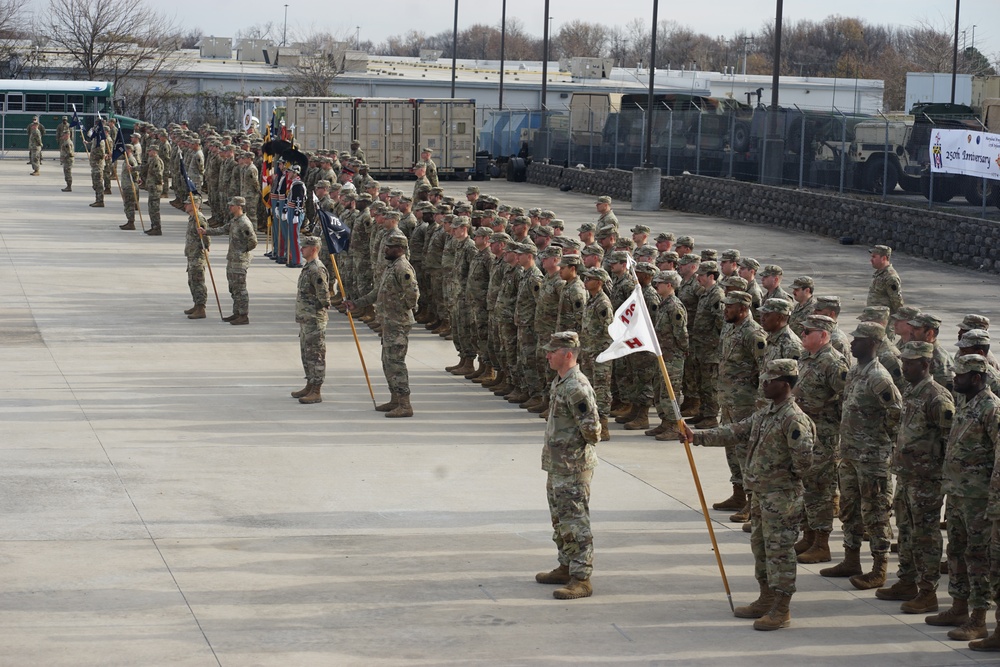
743 346
311 303
779 441
704 353
569 458
506 302
196 258
154 186
621 382
97 170
242 239
594 339
250 190
799 314
127 185
465 252
784 344
885 290
688 293
572 298
66 158
671 332
498 275
35 146
477 286
547 303
527 342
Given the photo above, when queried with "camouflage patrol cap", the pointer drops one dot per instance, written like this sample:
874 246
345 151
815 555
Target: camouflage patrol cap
916 349
571 260
322 183
562 340
419 165
828 303
771 270
517 210
424 149
533 212
543 230
734 281
503 208
587 227
708 267
665 236
603 199
738 298
443 209
396 241
482 232
709 255
153 148
905 313
422 206
668 277
592 249
925 321
364 196
462 206
596 273
384 189
606 231
520 220
689 258
547 215
551 252
424 187
780 306
780 368
731 255
309 241
377 206
236 201
556 223
499 237
883 250
821 322
640 229
971 363
669 256
871 330
625 243
646 268
618 256
461 221
396 193
804 282
526 249
472 190
568 242
973 321
878 314
974 338
686 241
392 215
645 251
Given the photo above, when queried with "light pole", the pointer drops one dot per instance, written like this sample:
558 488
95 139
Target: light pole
954 53
357 38
503 35
284 30
454 51
774 144
545 57
649 103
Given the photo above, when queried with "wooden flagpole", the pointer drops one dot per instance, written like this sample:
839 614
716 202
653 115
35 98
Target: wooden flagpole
350 319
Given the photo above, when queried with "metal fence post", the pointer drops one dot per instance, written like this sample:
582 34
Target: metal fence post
670 137
802 147
732 140
590 134
618 120
843 148
885 161
697 147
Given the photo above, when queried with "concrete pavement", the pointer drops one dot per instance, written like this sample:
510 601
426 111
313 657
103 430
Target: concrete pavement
165 502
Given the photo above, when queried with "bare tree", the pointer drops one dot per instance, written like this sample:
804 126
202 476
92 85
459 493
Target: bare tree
266 31
582 39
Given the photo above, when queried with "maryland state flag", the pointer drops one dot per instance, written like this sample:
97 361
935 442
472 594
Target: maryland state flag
265 170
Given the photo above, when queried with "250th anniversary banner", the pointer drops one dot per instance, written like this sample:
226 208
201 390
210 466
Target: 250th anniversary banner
963 152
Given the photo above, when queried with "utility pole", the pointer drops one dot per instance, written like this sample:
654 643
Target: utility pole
652 80
503 36
954 53
774 144
454 51
284 30
545 59
357 38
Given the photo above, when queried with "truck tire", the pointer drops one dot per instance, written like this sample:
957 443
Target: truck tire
872 174
910 184
972 189
944 188
517 170
741 137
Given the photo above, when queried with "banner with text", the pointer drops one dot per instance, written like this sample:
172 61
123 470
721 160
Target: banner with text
964 152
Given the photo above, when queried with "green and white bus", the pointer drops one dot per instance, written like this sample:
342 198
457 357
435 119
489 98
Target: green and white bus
50 100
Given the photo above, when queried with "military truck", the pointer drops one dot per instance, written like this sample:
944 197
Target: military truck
881 155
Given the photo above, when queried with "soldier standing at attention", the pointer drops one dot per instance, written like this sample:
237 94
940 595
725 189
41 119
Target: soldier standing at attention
779 441
154 185
706 332
671 332
431 169
805 303
312 301
770 279
396 296
357 152
35 145
67 156
97 172
928 410
968 481
569 457
242 240
885 289
868 427
606 217
594 339
194 251
128 187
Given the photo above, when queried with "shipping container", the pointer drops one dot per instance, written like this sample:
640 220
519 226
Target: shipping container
448 128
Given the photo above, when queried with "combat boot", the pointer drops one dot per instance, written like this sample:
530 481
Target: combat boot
487 376
901 590
107 191
517 396
543 406
743 514
849 567
128 225
626 417
733 502
974 628
957 615
640 421
925 601
404 409
758 607
305 391
544 415
466 367
709 421
503 388
819 550
693 408
670 433
778 616
190 310
531 402
876 577
622 409
605 433
657 430
499 377
449 369
390 406
475 372
230 318
240 319
560 575
198 314
577 588
313 396
155 231
808 535
991 643
98 204
432 325
68 188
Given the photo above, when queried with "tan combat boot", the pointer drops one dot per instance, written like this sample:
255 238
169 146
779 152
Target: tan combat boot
190 310
543 405
693 408
532 401
974 628
487 375
476 372
925 601
734 502
758 607
670 433
876 577
240 319
577 588
957 614
390 406
819 551
560 576
743 514
313 396
849 567
808 535
127 226
461 360
622 410
499 377
901 590
305 391
640 421
991 643
658 429
198 313
404 409
778 616
626 417
605 433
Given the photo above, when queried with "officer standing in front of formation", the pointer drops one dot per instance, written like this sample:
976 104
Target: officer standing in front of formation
67 154
396 296
779 448
154 186
312 301
569 457
35 132
885 289
242 240
195 247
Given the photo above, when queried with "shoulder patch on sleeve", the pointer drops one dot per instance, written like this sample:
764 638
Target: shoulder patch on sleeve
948 414
761 345
796 434
579 304
406 276
582 406
886 396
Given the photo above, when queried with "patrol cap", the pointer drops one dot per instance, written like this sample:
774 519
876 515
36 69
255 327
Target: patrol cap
669 256
472 190
520 220
323 183
883 250
556 223
689 258
562 340
499 237
603 199
237 201
593 249
640 229
709 255
533 212
424 149
665 236
547 215
646 251
735 281
596 273
916 349
925 320
550 252
871 330
543 230
780 368
804 282
153 148
364 196
587 227
396 241
625 243
646 268
424 187
686 241
971 363
384 188
731 255
974 338
377 205
396 193
482 232
878 314
668 277
741 298
821 322
571 260
777 306
392 215
973 321
618 256
905 313
515 210
568 242
309 241
771 270
828 303
708 267
606 231
461 221
526 249
443 209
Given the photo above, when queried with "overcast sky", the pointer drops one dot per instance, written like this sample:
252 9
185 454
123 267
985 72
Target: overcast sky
381 18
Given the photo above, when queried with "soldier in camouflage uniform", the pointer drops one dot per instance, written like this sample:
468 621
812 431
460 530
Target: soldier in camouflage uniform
35 146
671 333
885 289
66 157
498 273
594 339
97 157
642 367
770 279
312 301
547 302
973 321
704 354
250 188
154 183
477 286
822 377
888 353
464 250
805 303
925 329
830 307
569 457
688 293
127 184
195 247
242 240
779 441
531 382
968 474
868 428
396 296
504 313
621 289
606 217
928 410
748 267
